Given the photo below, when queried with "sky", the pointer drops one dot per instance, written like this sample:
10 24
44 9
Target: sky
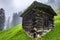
12 6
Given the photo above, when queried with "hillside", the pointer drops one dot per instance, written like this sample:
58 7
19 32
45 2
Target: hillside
17 33
57 10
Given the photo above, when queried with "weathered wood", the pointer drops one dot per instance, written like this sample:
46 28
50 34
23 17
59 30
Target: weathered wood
38 19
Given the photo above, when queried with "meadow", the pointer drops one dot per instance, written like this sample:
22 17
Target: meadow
17 32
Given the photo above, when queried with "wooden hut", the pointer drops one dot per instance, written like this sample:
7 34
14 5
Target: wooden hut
38 18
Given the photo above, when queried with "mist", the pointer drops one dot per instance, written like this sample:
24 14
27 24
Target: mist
16 6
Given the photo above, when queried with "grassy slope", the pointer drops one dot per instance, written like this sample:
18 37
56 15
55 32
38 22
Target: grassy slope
17 33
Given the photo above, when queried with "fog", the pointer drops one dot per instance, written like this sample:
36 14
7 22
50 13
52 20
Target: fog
16 6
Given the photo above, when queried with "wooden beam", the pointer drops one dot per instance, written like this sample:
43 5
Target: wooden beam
40 11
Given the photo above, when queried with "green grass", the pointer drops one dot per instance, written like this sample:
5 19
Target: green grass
17 33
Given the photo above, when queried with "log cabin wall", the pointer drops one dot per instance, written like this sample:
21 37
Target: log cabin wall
38 20
51 21
27 21
43 20
48 21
